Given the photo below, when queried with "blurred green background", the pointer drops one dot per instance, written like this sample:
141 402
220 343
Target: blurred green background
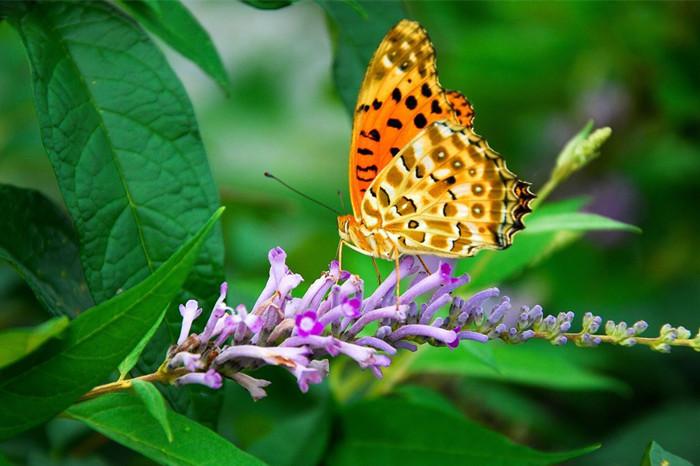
535 72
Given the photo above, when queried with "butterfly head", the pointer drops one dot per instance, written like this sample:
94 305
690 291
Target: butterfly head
346 223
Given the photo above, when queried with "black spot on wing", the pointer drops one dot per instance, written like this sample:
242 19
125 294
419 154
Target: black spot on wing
396 95
374 134
411 102
376 104
368 173
365 151
394 123
435 107
394 151
420 121
425 90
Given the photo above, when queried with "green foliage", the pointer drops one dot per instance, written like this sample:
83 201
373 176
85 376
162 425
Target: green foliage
554 225
382 430
126 152
532 364
16 343
268 4
39 387
359 27
155 405
40 243
655 455
172 21
122 417
133 357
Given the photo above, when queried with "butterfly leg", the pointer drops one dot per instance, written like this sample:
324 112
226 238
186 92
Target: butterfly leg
397 288
376 270
425 267
339 254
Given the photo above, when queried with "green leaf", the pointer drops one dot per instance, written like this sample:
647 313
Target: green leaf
133 357
176 26
121 417
37 388
532 363
123 141
17 343
576 221
417 394
310 431
360 26
39 241
392 432
155 405
269 4
657 456
549 228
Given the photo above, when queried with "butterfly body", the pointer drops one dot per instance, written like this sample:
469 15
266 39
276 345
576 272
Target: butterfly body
421 180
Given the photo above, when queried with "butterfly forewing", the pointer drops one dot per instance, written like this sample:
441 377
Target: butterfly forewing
447 193
399 97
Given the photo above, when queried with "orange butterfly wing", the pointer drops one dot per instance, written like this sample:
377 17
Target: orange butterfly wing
400 95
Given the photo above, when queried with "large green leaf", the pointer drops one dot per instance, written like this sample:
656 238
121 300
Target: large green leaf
121 417
39 241
532 363
394 432
655 455
123 140
360 27
172 21
48 381
549 228
576 221
16 343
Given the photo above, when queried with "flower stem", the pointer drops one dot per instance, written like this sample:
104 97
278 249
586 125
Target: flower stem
646 341
120 385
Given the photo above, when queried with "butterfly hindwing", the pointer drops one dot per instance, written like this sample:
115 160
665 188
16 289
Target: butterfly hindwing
399 97
447 193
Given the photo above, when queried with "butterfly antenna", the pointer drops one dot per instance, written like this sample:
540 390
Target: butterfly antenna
340 197
305 196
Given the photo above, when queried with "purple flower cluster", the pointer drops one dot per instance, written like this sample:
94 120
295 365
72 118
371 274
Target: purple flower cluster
335 317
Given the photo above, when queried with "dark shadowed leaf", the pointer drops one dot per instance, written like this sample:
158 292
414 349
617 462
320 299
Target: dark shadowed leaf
47 381
121 417
269 4
395 432
310 430
173 23
133 357
360 27
39 241
655 455
16 343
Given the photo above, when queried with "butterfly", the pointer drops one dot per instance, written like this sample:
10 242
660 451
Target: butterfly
421 180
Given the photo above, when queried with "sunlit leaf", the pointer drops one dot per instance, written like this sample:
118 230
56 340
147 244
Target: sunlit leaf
655 455
121 417
17 343
48 381
576 221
